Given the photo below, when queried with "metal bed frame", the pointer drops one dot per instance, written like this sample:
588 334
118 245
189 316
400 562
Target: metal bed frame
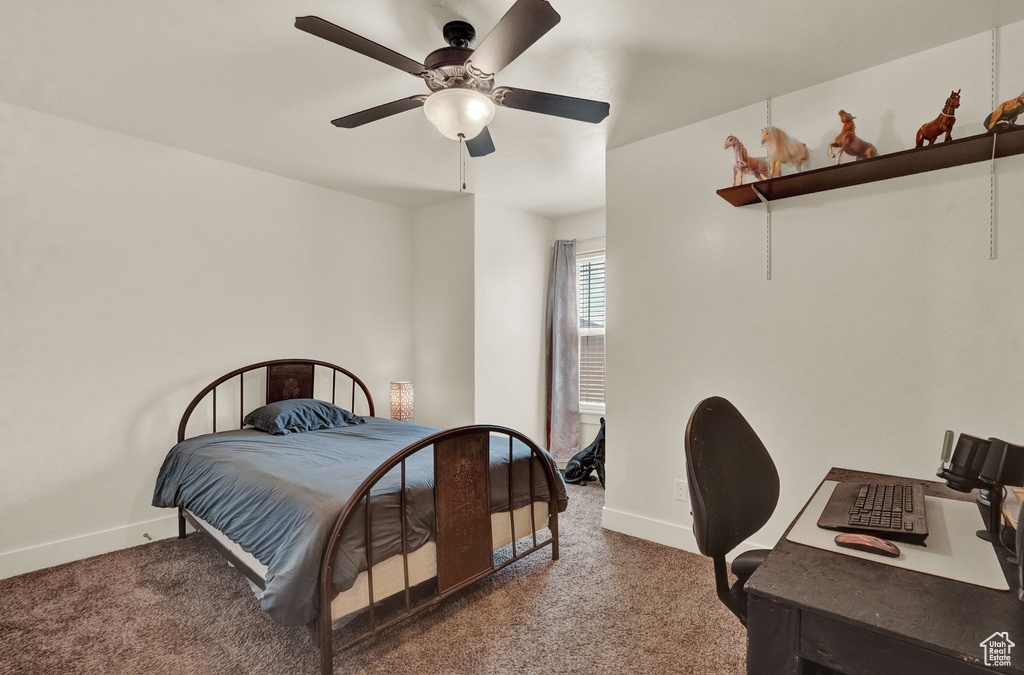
462 513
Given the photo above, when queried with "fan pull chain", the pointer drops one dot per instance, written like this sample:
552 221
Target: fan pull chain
462 162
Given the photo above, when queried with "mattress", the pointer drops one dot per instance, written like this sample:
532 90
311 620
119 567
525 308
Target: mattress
389 574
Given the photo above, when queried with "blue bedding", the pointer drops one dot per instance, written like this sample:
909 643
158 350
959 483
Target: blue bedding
278 497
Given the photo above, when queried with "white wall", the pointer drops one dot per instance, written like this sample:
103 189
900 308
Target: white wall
131 275
512 261
884 322
444 311
480 293
588 228
589 225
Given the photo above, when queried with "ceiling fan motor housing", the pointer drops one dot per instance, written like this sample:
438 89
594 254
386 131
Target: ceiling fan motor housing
447 65
459 34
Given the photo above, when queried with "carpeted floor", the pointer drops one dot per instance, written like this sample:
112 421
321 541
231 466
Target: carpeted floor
611 604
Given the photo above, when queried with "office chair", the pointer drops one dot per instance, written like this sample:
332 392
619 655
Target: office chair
734 488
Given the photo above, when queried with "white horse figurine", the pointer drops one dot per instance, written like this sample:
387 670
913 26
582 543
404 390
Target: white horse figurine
755 166
783 150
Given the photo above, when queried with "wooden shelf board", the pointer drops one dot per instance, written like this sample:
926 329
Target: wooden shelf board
905 163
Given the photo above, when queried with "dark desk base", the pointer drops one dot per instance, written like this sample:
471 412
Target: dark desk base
784 640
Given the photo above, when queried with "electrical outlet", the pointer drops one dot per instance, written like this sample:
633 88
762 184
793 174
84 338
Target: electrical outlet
682 492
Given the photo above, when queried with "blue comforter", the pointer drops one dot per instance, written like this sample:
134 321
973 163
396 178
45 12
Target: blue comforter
279 496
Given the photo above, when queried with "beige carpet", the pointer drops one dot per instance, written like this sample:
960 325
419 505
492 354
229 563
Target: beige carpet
611 604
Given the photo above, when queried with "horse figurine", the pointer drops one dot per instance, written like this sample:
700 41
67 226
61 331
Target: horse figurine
755 166
941 124
1005 116
848 142
783 150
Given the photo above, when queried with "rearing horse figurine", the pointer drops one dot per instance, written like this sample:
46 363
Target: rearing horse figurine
848 142
941 124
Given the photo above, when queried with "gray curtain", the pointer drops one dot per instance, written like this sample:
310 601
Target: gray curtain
563 364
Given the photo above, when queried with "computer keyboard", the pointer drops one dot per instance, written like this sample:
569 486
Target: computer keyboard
891 510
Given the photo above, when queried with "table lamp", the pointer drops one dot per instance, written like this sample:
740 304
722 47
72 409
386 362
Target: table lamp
401 401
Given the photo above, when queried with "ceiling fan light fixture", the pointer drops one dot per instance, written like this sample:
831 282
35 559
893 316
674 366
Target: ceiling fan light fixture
459 112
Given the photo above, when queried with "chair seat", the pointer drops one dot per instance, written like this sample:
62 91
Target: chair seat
747 563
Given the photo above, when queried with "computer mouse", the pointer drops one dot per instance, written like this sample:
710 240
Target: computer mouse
868 544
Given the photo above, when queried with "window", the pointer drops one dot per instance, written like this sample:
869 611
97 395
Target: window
590 267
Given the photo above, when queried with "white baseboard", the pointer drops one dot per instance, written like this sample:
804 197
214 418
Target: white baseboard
660 532
39 557
34 558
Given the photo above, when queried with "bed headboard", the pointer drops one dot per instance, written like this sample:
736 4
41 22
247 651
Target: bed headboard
290 380
286 379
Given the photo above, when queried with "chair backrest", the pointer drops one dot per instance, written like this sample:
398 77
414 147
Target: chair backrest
734 485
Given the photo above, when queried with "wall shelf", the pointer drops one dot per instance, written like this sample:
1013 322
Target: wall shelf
905 163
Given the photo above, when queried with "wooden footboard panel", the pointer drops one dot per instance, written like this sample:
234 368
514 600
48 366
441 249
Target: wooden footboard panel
462 512
462 509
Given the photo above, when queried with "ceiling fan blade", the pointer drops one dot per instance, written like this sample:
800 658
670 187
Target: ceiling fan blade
380 112
314 25
521 26
581 109
481 145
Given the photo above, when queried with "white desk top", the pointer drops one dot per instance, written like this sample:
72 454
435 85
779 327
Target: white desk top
952 549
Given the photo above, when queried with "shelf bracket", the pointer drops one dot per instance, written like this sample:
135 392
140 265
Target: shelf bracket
992 166
767 234
992 202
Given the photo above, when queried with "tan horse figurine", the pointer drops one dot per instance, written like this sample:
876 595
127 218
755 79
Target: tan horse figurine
783 150
848 142
941 124
1005 116
755 166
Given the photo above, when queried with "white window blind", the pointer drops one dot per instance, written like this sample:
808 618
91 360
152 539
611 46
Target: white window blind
592 322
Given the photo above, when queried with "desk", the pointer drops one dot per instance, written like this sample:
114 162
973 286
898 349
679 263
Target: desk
809 606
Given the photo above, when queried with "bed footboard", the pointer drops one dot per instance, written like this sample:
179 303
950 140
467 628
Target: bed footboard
462 523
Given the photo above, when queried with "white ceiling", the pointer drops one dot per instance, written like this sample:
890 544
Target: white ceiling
233 79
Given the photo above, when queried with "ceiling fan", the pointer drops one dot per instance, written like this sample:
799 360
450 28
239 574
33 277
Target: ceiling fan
461 80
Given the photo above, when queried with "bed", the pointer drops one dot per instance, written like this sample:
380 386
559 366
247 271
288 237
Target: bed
352 528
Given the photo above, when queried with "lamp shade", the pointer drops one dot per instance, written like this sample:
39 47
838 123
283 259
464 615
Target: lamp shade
459 112
401 401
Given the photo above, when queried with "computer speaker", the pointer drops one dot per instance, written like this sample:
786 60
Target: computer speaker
964 470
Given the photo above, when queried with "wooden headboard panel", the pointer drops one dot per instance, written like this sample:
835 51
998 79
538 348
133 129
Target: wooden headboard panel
286 379
289 380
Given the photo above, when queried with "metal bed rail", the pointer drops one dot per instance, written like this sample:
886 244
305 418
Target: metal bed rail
462 522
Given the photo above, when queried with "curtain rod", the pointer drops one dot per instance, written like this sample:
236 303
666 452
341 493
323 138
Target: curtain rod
583 241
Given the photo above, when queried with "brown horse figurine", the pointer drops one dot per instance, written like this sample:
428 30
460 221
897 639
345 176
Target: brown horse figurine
1005 116
848 142
941 124
755 166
